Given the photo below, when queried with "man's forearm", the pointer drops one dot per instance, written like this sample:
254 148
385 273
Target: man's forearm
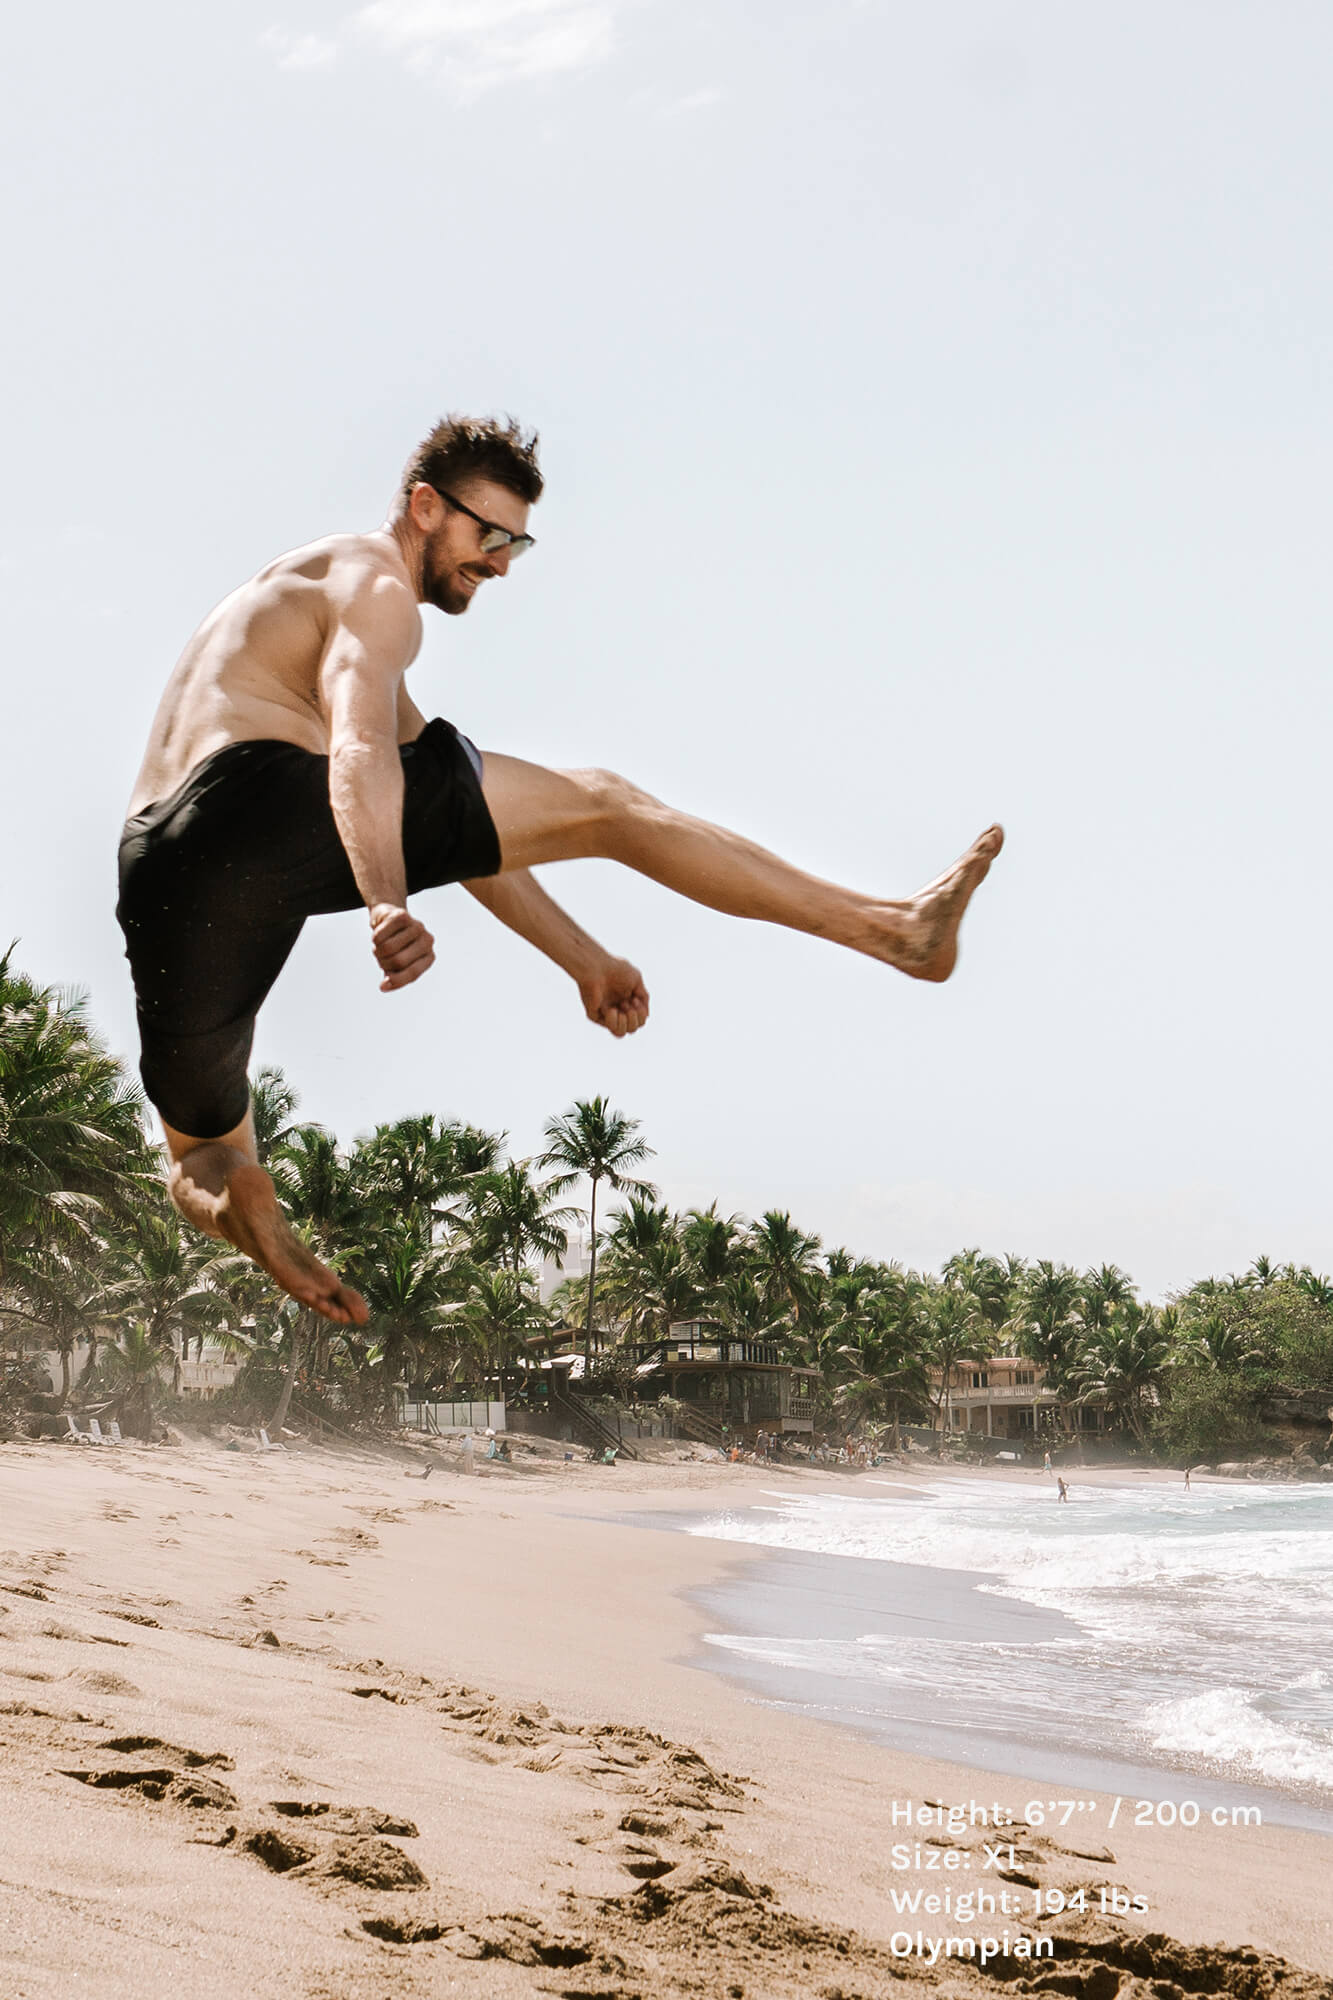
366 793
518 902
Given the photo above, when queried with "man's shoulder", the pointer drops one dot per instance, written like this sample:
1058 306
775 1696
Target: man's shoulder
345 565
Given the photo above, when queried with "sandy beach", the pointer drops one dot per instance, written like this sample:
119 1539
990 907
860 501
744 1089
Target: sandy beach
301 1723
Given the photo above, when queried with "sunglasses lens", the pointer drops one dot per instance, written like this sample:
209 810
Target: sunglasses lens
497 538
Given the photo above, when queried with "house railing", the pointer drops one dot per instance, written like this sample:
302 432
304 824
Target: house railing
715 1348
1031 1392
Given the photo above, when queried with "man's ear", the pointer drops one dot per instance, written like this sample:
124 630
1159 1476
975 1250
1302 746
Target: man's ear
425 507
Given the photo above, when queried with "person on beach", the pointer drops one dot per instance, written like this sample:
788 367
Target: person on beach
289 773
1062 1491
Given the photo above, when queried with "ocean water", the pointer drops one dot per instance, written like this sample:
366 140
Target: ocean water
1188 1632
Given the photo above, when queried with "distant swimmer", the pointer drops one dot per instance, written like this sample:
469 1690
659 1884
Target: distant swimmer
289 773
1046 1463
1061 1490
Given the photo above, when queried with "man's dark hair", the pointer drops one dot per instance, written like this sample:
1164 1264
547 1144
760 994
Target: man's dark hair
485 446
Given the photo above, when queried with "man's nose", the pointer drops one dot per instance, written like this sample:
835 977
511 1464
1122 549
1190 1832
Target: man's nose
497 561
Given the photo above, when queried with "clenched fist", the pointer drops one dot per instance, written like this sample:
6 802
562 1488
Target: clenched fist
615 996
402 945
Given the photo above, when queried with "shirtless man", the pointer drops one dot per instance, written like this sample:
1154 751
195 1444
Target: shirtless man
289 773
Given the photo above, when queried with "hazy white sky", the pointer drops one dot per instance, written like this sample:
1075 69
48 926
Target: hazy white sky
936 412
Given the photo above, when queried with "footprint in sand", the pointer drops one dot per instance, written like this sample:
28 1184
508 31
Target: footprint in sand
105 1683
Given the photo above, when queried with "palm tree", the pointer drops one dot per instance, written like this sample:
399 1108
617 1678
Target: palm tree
714 1245
956 1329
162 1277
63 1289
1317 1286
512 1216
991 1283
319 1192
272 1108
496 1317
593 1142
648 1278
423 1165
410 1288
1100 1293
1045 1323
1213 1342
72 1149
787 1271
1122 1363
134 1369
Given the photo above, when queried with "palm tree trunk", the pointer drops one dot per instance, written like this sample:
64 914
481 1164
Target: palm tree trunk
279 1417
86 1372
65 1354
592 1280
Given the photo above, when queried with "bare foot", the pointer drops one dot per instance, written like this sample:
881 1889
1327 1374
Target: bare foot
920 936
249 1217
223 1193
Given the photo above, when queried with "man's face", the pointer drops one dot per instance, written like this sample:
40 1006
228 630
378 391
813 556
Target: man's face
454 565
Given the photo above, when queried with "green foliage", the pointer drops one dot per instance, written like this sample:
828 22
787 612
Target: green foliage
443 1234
1208 1414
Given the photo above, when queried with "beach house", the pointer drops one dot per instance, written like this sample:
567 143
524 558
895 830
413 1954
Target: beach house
1007 1397
726 1386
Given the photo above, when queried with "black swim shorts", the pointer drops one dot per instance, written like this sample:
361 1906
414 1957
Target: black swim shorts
217 880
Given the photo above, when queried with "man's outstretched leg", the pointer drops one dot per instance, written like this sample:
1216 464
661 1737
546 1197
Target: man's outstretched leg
219 1186
543 815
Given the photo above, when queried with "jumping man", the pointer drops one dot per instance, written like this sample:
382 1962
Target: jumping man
289 773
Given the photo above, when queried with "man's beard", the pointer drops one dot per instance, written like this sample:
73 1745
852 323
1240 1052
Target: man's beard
441 587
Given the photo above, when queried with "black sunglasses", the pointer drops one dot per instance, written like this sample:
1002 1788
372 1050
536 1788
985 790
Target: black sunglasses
493 538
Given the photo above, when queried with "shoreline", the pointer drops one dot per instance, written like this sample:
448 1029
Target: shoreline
783 1594
500 1662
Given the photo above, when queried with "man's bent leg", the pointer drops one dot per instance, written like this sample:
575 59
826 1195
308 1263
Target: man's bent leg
219 1186
543 816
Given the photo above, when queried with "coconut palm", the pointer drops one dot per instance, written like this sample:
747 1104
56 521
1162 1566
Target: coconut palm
163 1277
787 1271
60 1299
1213 1342
512 1216
133 1370
593 1142
273 1104
955 1329
991 1282
425 1166
320 1192
494 1320
410 1288
649 1280
1121 1364
72 1148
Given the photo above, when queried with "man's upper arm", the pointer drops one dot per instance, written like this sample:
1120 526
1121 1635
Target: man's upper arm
373 637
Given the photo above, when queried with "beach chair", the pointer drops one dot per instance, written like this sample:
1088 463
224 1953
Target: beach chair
115 1434
72 1430
266 1443
95 1432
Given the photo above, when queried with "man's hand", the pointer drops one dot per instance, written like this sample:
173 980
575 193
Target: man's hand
615 996
402 944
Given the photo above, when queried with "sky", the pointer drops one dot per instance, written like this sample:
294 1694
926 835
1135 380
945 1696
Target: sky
935 407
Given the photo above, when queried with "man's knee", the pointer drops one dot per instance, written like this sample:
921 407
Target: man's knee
614 802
